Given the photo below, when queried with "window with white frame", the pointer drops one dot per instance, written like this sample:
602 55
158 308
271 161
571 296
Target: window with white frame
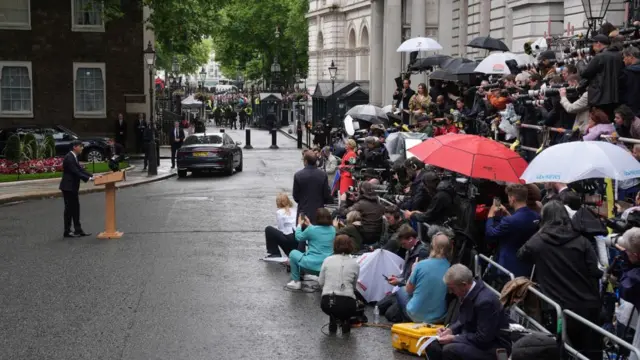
16 96
15 14
88 15
89 89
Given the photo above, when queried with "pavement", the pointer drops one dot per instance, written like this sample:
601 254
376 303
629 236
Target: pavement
184 282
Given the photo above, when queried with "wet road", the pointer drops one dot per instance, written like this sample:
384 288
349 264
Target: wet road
184 282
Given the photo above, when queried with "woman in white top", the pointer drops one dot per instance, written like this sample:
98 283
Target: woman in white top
283 236
338 278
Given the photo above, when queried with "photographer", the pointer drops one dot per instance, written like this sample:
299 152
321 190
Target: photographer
375 154
530 115
442 205
602 74
629 281
415 172
630 84
547 64
479 99
579 107
498 98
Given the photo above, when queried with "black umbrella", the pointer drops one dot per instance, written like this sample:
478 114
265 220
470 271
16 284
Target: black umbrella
466 68
443 75
430 61
454 63
488 43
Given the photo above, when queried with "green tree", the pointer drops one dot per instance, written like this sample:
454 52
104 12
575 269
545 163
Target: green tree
189 63
244 37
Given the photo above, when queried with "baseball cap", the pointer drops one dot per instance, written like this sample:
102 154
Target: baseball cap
630 240
547 55
604 39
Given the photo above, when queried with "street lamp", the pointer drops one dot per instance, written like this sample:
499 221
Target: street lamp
175 67
594 11
203 77
150 60
275 71
333 71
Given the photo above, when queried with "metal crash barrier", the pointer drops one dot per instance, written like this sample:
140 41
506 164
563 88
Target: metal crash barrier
573 352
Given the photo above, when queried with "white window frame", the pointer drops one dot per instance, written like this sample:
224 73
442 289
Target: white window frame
19 26
85 28
90 114
17 114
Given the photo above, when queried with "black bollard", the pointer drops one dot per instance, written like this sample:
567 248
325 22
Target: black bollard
299 134
222 130
247 138
273 139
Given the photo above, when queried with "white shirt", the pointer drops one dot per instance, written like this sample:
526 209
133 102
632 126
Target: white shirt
468 292
286 223
74 155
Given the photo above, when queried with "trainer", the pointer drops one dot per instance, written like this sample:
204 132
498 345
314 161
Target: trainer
72 173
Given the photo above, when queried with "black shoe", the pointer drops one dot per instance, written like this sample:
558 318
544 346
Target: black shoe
81 233
346 327
69 234
173 166
333 325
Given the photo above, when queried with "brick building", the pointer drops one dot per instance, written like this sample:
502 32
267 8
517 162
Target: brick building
60 63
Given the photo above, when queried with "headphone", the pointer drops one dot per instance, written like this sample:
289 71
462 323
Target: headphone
414 164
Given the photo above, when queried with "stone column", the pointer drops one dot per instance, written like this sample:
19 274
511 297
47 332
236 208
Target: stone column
392 59
445 35
485 17
418 28
376 82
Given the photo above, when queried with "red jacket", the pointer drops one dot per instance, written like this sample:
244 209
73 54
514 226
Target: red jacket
445 129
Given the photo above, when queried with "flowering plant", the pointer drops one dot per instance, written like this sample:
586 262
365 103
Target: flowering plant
38 166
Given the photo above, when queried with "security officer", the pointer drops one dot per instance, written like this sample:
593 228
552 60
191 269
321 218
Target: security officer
243 118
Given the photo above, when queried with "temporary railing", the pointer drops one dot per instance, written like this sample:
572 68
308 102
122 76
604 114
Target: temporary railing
570 314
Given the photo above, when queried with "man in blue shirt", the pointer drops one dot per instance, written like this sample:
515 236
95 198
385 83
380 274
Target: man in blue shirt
513 230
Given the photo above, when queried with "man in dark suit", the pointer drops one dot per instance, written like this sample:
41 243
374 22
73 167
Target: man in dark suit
403 97
311 187
475 332
176 138
121 130
72 173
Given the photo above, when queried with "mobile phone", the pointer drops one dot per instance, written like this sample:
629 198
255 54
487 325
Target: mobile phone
501 354
385 277
497 202
302 215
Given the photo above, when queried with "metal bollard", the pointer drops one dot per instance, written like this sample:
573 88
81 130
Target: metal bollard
299 134
273 139
222 130
247 144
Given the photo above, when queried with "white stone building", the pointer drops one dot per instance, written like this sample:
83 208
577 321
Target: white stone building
361 36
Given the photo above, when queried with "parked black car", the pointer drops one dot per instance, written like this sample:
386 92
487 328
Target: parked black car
209 152
95 148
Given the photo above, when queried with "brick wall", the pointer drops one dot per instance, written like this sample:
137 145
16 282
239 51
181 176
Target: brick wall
52 48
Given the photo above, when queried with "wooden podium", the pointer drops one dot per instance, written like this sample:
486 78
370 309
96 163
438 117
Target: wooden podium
109 181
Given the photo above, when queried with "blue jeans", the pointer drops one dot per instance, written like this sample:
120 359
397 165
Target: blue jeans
294 261
403 297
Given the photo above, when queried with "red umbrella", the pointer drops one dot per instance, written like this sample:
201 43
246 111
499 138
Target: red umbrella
472 155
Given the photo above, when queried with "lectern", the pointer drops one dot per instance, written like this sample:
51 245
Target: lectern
109 181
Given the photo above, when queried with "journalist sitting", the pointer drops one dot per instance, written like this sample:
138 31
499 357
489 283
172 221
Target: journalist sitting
423 298
319 238
371 210
475 333
442 206
599 124
353 228
511 231
579 106
338 278
416 250
115 154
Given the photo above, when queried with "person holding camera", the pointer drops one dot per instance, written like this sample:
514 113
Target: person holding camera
603 74
579 107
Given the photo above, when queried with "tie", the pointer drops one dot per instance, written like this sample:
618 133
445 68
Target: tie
176 133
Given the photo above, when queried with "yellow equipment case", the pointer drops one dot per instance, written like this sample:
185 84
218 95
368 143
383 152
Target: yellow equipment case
405 336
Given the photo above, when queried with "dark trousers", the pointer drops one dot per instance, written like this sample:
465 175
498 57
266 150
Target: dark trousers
342 308
71 211
174 150
243 124
275 240
583 339
458 351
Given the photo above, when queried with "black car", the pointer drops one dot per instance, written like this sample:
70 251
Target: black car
209 152
95 148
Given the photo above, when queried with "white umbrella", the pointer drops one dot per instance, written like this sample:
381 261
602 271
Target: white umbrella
580 160
496 63
419 44
525 59
387 109
370 113
348 125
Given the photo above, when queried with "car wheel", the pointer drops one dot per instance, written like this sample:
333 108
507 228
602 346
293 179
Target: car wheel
229 170
239 167
182 173
94 155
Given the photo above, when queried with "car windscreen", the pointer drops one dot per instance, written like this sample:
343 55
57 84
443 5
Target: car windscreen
203 139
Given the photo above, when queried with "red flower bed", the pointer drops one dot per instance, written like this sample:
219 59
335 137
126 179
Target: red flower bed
31 166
